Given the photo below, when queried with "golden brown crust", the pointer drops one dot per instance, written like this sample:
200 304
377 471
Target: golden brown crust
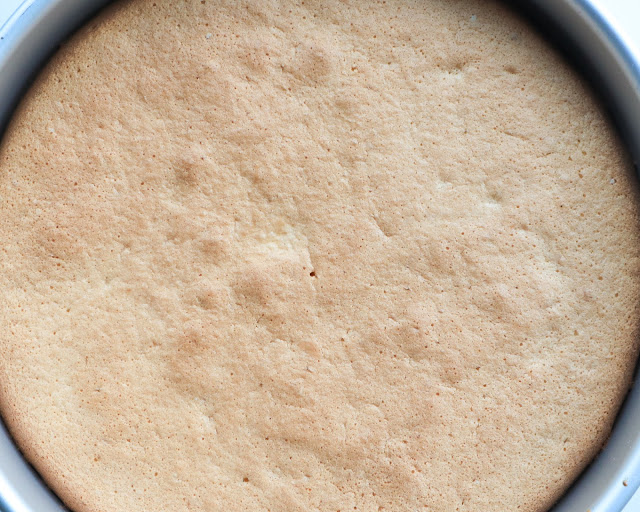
313 256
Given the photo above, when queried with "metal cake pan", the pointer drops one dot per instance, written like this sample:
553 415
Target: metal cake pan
587 35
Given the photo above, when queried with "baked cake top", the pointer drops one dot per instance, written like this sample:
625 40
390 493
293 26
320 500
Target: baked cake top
337 255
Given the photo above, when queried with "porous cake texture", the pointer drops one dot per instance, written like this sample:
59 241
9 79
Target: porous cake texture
275 255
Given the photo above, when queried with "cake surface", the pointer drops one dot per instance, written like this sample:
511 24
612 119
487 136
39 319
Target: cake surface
329 256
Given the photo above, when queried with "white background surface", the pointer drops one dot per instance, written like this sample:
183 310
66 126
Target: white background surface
6 8
624 13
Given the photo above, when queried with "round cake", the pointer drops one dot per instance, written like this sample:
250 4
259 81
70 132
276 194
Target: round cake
322 256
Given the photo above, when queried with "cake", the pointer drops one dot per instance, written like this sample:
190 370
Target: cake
292 256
